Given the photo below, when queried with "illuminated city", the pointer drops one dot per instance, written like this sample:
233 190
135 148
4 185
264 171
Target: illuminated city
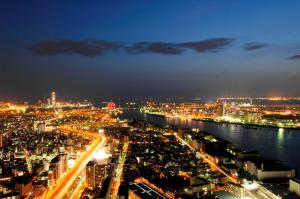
233 110
141 99
57 149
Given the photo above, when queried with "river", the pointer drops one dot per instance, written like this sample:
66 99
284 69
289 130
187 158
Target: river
272 143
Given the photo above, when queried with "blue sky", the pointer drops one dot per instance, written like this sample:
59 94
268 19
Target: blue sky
137 49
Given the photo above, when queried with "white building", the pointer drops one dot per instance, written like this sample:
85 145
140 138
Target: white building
295 186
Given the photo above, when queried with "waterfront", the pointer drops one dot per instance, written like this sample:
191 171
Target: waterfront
273 143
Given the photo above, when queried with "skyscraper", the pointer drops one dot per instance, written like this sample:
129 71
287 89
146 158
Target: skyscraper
95 174
53 98
58 166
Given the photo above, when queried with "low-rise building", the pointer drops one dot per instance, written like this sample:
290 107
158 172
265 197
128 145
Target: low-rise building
295 186
264 169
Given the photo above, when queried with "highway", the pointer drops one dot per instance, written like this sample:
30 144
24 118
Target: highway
62 186
77 187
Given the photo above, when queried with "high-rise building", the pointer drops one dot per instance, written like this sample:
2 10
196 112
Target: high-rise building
224 109
52 175
54 171
1 141
53 98
95 174
63 162
90 174
58 166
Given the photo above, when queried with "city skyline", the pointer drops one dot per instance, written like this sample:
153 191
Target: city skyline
143 99
57 149
139 49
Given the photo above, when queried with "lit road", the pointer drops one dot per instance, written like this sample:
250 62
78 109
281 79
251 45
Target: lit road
211 163
77 188
116 181
65 182
258 193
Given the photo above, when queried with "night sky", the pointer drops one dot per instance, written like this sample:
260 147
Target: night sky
138 49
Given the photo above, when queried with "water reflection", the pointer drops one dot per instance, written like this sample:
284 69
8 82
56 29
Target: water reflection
279 144
280 135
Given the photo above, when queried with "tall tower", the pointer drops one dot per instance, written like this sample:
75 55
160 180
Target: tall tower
53 98
224 108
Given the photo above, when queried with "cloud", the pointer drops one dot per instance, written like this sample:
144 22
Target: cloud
86 48
255 46
93 48
155 47
209 45
294 57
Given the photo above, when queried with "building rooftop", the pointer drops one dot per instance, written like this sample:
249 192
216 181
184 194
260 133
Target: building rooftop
145 191
55 160
91 163
296 180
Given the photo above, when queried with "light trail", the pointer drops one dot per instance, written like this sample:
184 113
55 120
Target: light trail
79 189
64 183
